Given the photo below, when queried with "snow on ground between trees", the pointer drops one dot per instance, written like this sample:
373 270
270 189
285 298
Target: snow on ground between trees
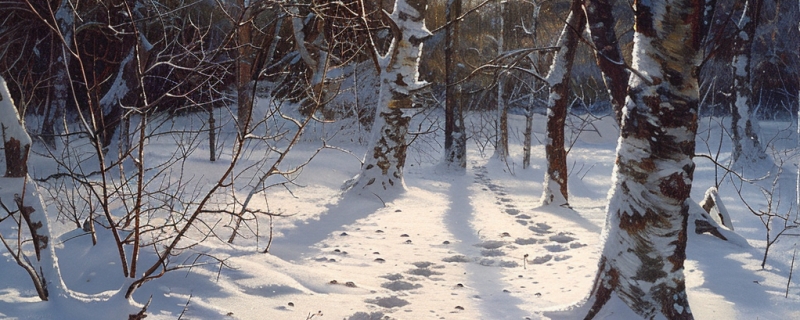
472 246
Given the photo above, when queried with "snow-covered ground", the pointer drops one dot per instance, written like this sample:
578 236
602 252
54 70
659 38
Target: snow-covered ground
453 246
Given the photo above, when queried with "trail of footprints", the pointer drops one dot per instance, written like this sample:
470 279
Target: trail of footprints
491 253
555 243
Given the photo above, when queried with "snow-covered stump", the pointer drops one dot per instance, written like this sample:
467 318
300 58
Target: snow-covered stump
642 261
555 179
16 141
382 171
712 204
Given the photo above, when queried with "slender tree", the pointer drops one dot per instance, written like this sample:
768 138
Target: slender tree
555 179
645 248
455 139
744 126
536 61
501 145
382 171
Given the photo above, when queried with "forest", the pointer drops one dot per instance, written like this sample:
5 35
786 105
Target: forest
399 159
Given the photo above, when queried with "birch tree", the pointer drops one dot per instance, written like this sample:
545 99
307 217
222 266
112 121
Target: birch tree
382 170
455 139
643 258
16 142
744 126
29 214
600 18
501 146
555 178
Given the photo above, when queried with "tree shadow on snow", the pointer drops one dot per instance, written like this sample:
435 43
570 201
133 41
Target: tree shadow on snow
486 279
297 243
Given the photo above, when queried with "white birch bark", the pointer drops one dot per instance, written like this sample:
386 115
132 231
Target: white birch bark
645 234
16 141
382 171
45 266
744 125
555 179
501 145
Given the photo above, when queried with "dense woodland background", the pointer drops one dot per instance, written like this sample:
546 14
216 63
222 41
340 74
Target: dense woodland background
192 49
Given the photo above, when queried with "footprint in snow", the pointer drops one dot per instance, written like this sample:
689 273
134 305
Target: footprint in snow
388 302
492 253
457 258
527 241
400 285
541 260
556 247
562 237
540 228
491 244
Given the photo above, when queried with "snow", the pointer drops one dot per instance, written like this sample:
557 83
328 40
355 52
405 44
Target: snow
10 126
452 246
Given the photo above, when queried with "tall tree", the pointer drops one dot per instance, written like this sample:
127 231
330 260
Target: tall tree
642 260
536 62
382 171
501 146
455 138
744 125
555 178
599 15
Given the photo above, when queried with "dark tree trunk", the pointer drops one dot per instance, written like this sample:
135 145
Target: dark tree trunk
16 157
608 55
455 139
555 180
643 257
244 74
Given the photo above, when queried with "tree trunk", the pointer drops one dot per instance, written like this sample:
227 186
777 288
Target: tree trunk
535 59
526 144
744 125
382 171
642 260
16 141
501 145
555 179
608 55
244 70
455 139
